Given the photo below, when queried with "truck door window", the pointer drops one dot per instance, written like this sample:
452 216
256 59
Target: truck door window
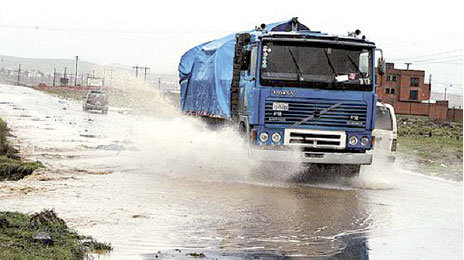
253 58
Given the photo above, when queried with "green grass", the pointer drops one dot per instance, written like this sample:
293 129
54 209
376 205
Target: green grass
5 147
17 232
75 95
11 167
434 146
14 169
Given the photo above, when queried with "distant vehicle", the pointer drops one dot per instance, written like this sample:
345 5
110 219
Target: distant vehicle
96 100
385 132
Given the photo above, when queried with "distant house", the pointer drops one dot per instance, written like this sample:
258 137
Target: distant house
401 85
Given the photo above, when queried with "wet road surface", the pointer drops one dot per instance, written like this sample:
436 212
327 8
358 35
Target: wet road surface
143 185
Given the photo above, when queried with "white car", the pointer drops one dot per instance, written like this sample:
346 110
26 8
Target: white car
385 132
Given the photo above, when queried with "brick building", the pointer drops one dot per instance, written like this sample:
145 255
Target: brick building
401 85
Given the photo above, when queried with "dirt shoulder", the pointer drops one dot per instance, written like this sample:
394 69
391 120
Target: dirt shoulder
434 148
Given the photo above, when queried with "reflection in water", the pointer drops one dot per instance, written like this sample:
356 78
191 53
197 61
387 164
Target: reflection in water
252 221
295 221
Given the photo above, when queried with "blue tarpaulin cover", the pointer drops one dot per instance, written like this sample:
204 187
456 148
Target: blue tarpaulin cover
205 73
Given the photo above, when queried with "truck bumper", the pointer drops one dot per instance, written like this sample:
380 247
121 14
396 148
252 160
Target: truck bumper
311 157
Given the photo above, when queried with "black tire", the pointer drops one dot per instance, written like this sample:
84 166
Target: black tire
325 172
242 131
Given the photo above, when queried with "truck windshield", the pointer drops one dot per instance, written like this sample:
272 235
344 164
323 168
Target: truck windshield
316 65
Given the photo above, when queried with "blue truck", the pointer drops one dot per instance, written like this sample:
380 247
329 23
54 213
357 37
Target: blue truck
288 88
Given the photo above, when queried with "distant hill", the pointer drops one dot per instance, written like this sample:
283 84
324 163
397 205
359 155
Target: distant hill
46 65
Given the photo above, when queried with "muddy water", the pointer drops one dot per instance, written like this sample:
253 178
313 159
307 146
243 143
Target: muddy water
149 186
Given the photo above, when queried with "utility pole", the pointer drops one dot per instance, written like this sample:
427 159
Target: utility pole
446 86
19 74
65 79
145 69
75 74
136 67
159 84
430 87
54 76
111 76
407 65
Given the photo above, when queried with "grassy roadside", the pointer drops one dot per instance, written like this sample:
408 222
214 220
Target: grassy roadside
38 236
12 168
436 148
75 95
42 236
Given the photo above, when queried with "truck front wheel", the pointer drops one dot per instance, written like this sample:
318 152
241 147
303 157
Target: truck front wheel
242 131
324 172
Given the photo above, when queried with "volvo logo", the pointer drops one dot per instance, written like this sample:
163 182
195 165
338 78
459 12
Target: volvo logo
284 93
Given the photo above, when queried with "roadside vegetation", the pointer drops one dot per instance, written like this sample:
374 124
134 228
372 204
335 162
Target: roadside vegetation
115 97
435 147
12 168
43 236
77 94
38 236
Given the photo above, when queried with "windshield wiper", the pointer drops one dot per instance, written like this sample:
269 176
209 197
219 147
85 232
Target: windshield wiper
313 115
298 70
358 71
330 63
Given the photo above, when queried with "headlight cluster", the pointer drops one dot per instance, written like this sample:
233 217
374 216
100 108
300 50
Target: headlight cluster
354 140
263 137
275 137
364 141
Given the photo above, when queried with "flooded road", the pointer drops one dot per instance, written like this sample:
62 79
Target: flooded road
150 186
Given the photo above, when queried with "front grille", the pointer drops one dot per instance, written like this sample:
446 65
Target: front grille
348 113
315 138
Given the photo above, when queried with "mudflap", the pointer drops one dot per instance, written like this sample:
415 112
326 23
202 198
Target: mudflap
324 172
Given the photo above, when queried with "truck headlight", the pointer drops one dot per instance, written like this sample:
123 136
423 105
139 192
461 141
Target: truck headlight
364 141
276 137
263 137
353 140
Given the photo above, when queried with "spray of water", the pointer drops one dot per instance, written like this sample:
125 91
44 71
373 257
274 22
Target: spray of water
184 147
170 143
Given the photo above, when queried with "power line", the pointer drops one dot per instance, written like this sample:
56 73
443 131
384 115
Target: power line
428 55
449 83
101 30
441 62
435 58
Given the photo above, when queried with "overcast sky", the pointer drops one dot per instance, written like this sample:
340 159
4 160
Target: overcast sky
430 35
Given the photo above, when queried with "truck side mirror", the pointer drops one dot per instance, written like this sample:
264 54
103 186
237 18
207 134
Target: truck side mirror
381 63
382 67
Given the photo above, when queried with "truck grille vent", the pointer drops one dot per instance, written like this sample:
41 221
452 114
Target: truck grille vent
348 114
315 138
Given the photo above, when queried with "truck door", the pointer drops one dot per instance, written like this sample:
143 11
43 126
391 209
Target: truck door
248 80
